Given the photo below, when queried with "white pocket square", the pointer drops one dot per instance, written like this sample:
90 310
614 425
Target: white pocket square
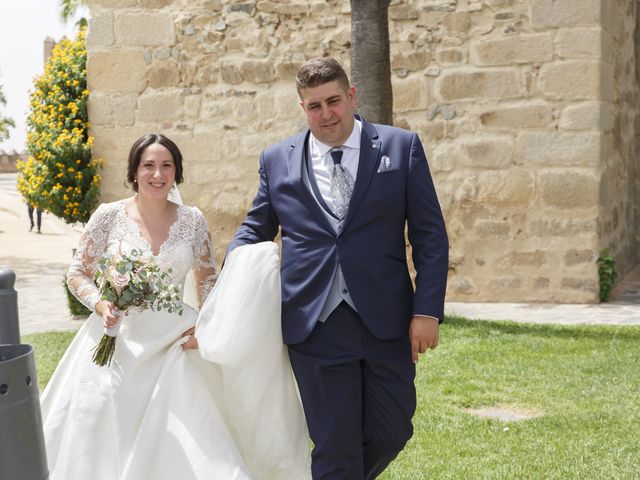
385 165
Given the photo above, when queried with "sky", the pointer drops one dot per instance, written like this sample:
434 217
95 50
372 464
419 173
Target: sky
24 24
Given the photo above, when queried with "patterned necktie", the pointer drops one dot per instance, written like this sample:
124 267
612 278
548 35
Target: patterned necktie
341 185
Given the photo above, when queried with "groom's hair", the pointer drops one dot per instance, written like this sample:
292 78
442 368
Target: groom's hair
319 71
138 148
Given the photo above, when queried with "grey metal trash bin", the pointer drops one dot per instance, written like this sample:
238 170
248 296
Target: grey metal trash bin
9 326
22 449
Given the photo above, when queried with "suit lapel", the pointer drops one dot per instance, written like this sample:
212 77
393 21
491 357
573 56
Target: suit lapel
370 147
296 166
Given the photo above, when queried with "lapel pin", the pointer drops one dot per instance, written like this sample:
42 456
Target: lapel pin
373 145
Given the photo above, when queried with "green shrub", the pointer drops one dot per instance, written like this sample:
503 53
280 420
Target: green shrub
61 177
607 274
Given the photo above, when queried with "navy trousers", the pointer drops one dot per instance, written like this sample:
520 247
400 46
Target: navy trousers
358 395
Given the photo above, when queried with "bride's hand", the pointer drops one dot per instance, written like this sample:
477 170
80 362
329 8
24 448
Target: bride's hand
109 313
192 342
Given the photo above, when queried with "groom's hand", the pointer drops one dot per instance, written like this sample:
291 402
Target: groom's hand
423 334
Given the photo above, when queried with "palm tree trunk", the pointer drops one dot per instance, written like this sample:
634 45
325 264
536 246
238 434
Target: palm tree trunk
370 64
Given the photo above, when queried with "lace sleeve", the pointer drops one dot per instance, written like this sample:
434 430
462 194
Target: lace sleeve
92 245
204 263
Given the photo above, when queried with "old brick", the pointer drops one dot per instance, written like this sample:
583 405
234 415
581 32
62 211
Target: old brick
540 283
574 256
569 189
586 284
257 71
450 55
410 94
144 29
586 116
505 282
160 106
535 258
403 12
164 74
490 228
558 149
508 188
523 115
457 23
513 49
579 42
487 152
230 73
467 84
100 32
412 61
571 79
555 13
121 71
562 228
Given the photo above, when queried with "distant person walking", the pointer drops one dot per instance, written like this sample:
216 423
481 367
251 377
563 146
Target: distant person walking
38 218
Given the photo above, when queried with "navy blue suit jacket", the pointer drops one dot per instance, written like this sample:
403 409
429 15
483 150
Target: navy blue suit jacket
370 247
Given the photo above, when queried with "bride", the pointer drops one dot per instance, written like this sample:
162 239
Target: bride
217 401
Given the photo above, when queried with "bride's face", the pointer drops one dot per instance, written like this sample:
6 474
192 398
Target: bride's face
156 172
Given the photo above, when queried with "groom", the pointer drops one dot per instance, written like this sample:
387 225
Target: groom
341 193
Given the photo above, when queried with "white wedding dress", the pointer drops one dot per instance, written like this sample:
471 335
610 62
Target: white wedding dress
227 411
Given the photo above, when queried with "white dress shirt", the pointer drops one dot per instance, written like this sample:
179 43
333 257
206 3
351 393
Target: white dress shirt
322 162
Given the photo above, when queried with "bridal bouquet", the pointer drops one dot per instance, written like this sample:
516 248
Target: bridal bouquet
132 281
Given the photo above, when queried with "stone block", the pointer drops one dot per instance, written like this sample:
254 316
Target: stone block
569 189
403 12
146 29
507 188
575 256
114 4
558 149
457 23
579 43
463 285
287 70
164 74
540 283
154 3
565 13
451 56
490 228
257 71
562 228
410 94
534 258
466 84
585 116
586 284
243 7
518 116
505 282
513 49
100 33
122 71
493 153
230 73
571 79
100 109
160 106
413 61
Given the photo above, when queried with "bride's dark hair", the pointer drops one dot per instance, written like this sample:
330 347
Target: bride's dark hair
138 148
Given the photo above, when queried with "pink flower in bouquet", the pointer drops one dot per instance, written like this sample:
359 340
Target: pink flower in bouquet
119 280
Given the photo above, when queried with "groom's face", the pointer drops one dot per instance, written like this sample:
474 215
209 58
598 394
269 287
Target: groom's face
330 110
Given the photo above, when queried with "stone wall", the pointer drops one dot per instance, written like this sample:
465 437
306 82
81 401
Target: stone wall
526 109
9 159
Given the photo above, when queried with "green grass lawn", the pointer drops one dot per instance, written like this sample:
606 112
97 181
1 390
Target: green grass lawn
582 383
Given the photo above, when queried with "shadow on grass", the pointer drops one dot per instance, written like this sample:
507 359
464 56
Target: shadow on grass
595 332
